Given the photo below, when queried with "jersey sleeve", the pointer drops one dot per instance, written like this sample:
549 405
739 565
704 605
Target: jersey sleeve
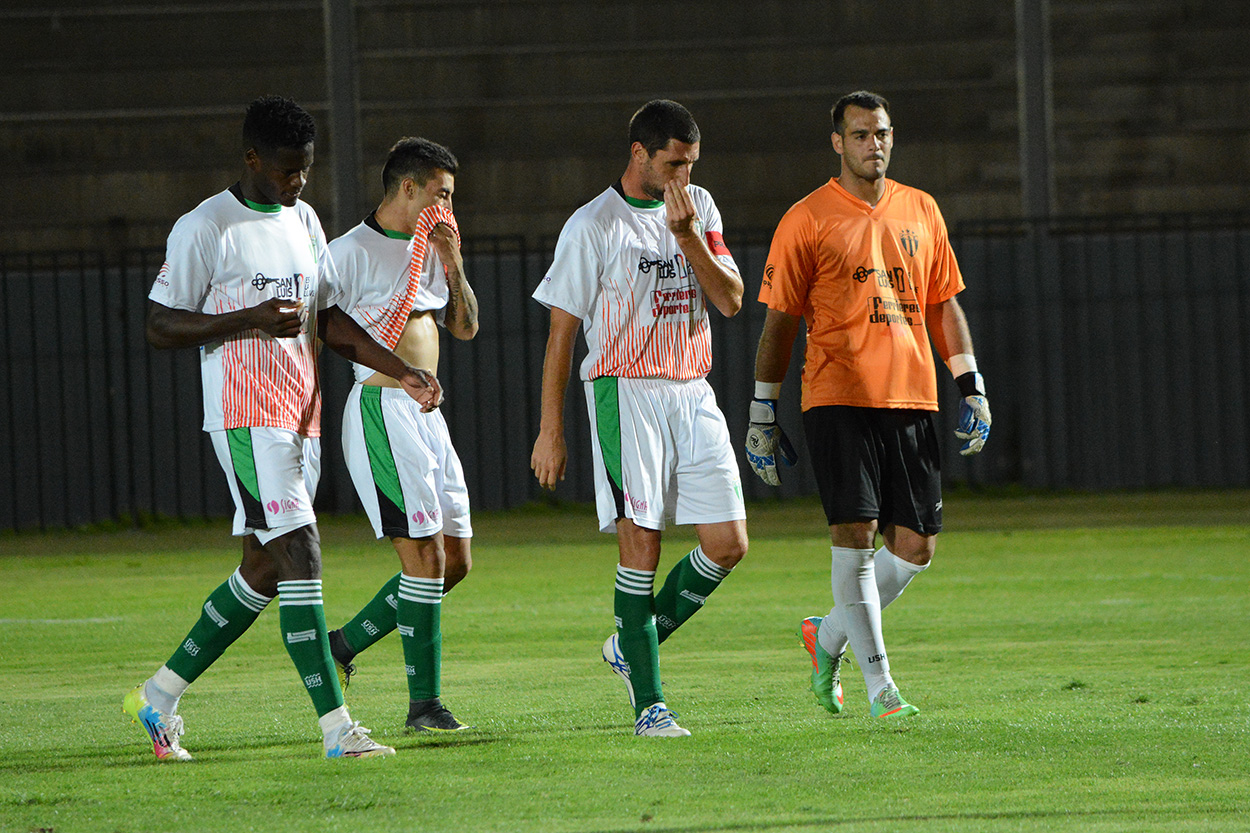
791 263
945 279
190 255
714 230
572 282
329 284
347 263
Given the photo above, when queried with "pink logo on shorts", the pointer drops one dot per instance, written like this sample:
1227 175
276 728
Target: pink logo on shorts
639 505
287 505
434 515
418 516
273 507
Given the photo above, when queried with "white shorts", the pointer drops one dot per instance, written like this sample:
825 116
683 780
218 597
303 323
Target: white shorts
272 474
661 450
403 464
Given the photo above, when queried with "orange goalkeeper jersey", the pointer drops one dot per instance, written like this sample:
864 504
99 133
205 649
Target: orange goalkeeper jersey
862 277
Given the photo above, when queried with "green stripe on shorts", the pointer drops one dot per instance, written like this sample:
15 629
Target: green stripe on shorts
608 424
381 460
243 460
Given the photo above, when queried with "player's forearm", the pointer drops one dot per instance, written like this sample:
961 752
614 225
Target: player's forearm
344 336
461 317
948 329
722 285
168 328
772 356
557 366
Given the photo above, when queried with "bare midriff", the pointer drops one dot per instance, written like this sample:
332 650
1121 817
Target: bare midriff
418 347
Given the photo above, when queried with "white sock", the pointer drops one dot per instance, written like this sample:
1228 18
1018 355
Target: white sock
332 721
858 610
163 690
893 576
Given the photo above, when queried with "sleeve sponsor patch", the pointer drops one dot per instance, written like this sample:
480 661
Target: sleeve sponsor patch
716 243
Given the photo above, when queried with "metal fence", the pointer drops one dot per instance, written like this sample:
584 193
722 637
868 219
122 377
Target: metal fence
1117 355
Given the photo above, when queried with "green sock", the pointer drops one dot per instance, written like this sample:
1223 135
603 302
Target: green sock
420 602
635 627
303 622
375 620
227 613
685 590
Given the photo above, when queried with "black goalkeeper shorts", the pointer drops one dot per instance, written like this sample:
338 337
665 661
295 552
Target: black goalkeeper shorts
880 464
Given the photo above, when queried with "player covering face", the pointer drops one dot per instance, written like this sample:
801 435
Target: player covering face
636 269
403 275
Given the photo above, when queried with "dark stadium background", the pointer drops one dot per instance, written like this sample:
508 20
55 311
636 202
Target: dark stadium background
1090 156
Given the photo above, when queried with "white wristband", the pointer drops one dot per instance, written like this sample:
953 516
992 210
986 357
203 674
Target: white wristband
960 364
767 390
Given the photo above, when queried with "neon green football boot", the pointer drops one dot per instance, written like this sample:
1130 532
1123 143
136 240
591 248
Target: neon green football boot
889 703
826 679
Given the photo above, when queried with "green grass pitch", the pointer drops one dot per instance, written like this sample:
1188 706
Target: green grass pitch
1082 663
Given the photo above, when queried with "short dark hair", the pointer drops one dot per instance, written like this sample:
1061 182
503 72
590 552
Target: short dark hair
274 122
418 158
658 121
859 98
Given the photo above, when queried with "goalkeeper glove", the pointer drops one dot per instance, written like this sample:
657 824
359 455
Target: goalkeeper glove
766 442
974 413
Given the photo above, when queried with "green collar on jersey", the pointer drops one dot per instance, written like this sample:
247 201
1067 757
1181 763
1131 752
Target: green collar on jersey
264 208
644 203
372 222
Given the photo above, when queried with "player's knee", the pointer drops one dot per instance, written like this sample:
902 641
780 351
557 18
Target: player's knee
260 576
455 573
920 556
727 553
301 554
458 567
258 568
421 556
911 546
858 535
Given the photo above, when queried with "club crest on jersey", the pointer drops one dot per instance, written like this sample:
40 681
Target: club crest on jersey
908 240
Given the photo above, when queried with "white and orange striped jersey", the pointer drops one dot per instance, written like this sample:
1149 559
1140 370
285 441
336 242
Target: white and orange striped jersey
619 269
225 256
385 278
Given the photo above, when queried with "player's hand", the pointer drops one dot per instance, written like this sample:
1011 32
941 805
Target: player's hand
446 243
423 386
766 443
279 317
974 423
974 413
679 209
549 459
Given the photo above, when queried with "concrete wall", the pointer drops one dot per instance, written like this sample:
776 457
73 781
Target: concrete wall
115 119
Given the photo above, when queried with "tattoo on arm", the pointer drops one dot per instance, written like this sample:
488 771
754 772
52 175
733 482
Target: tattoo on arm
461 302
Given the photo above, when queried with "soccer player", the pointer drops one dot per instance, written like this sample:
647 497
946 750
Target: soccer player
636 267
248 279
866 262
400 457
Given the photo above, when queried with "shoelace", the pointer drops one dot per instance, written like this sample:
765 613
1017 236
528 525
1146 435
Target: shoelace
889 698
173 726
658 719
